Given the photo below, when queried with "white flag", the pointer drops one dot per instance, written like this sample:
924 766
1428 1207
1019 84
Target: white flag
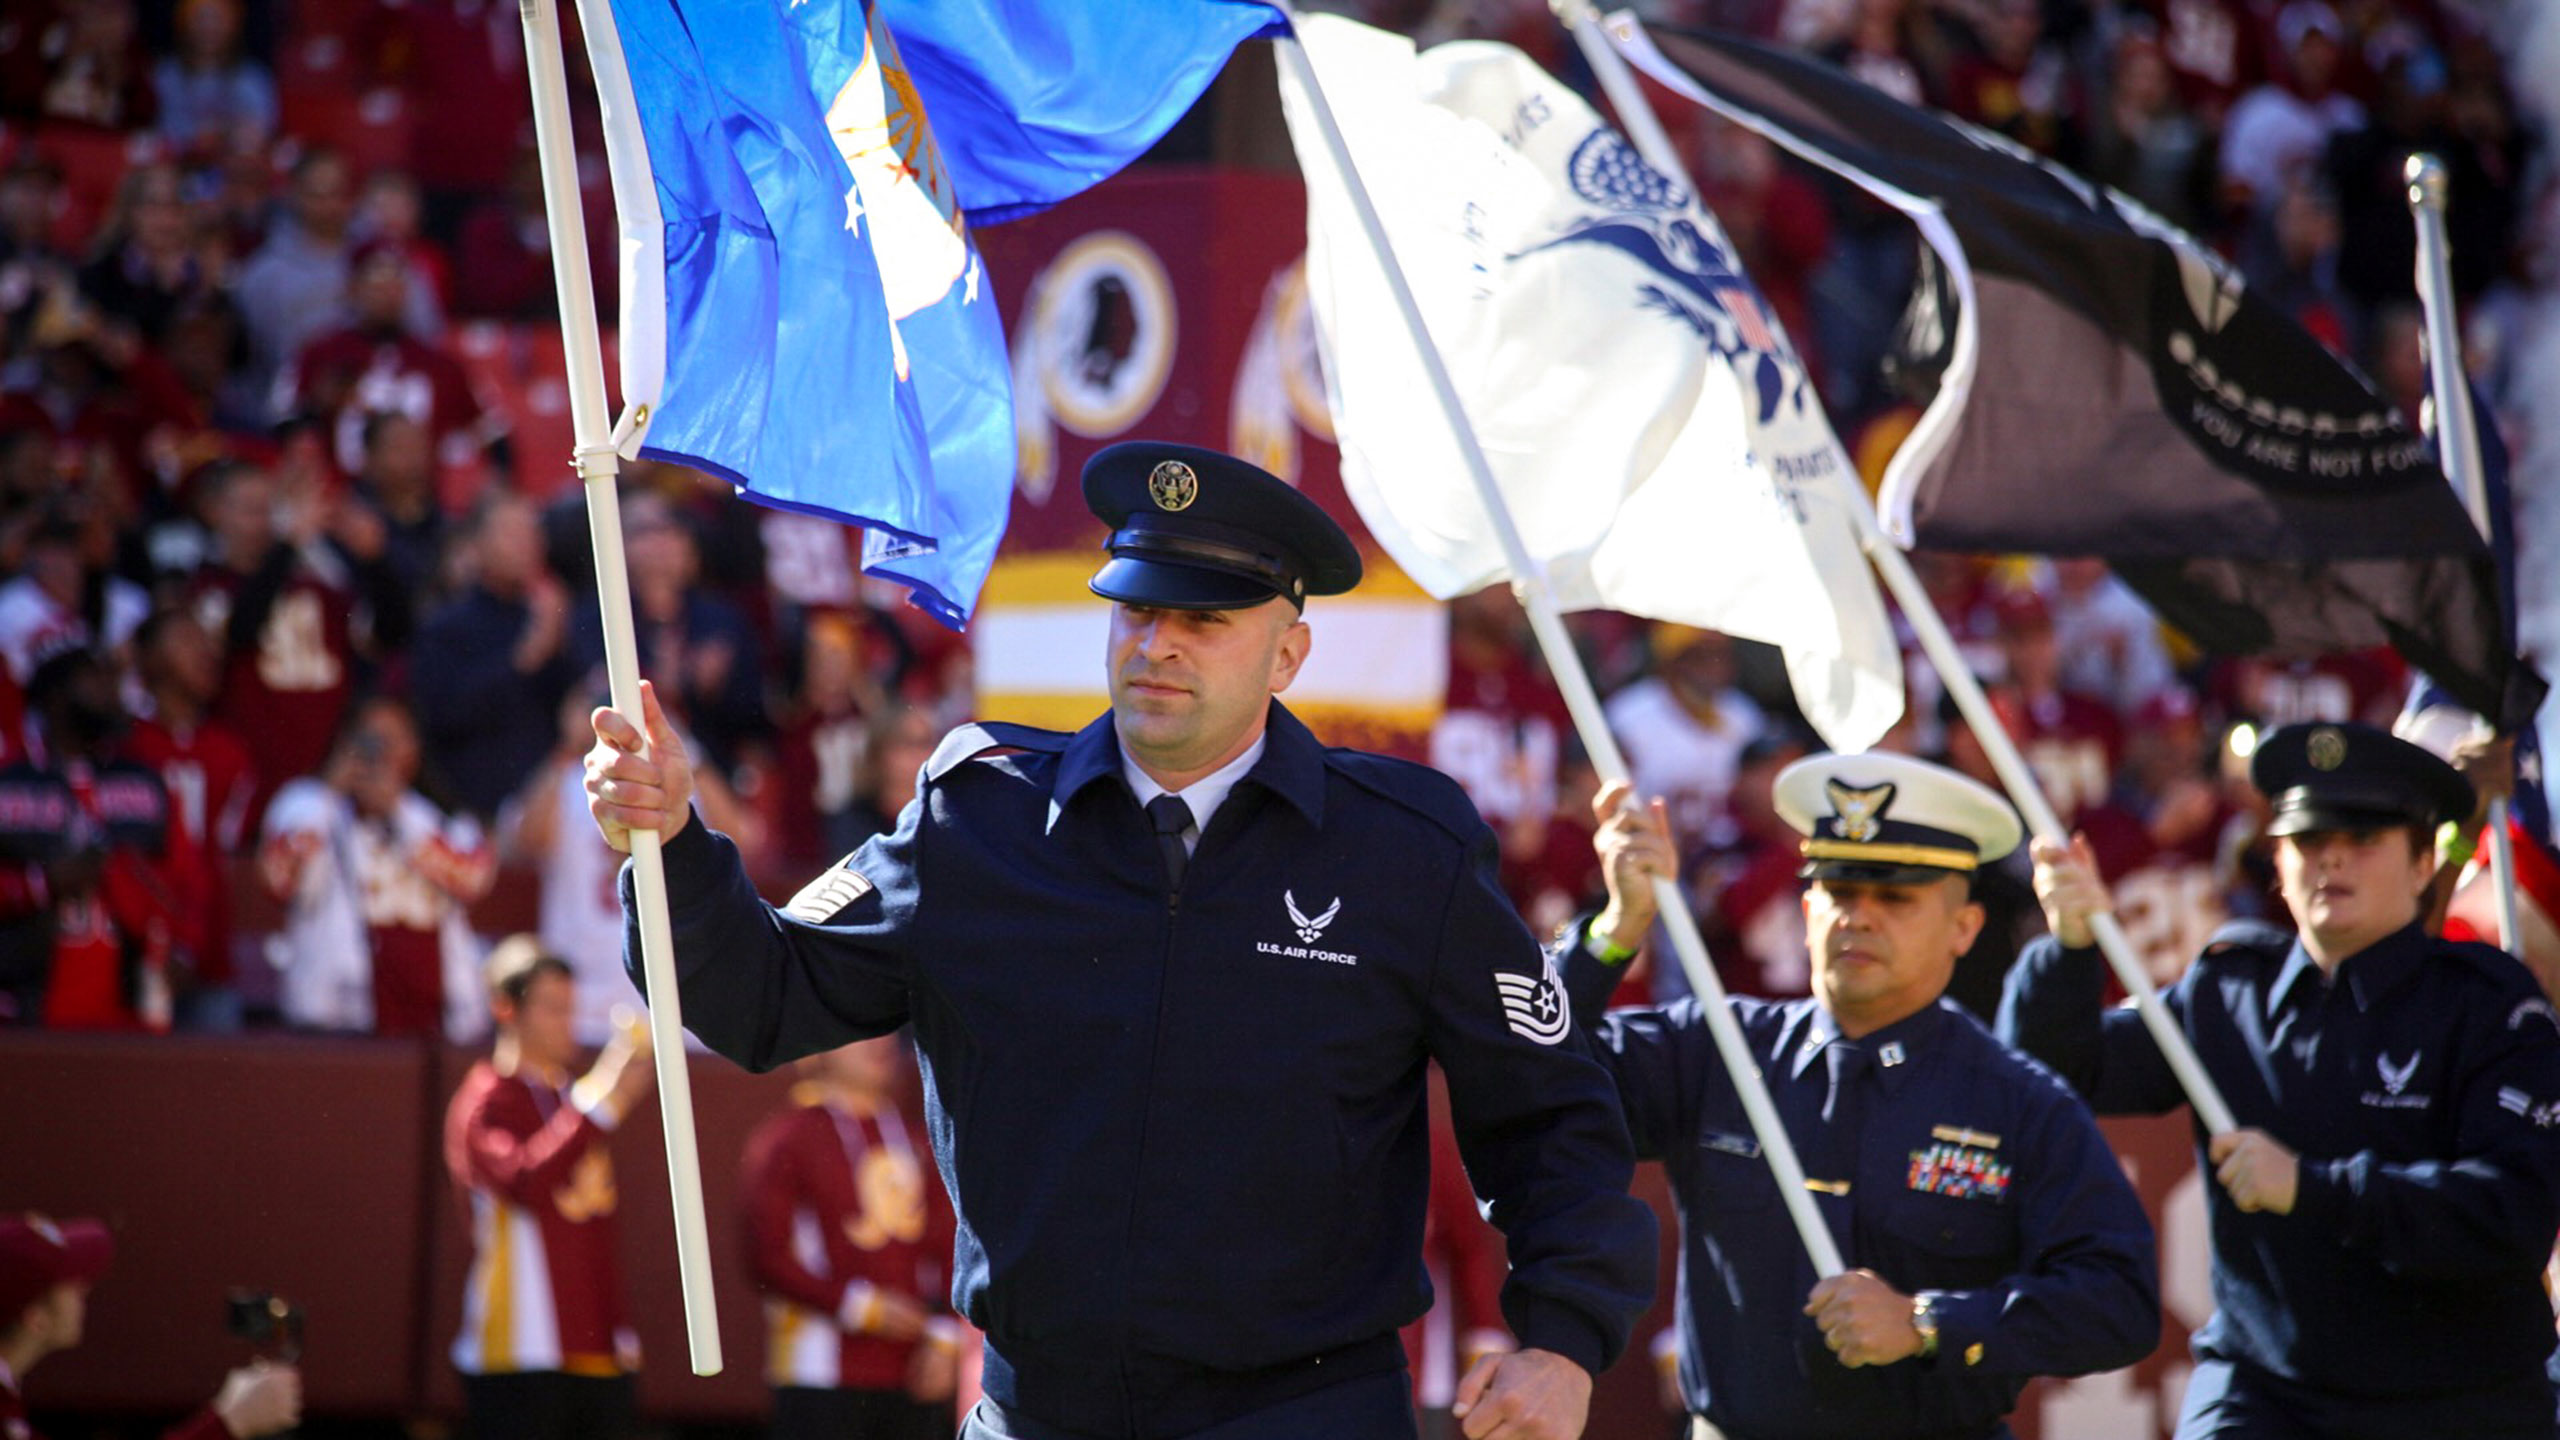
1657 439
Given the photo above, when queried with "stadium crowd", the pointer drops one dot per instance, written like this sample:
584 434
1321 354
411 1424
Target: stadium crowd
298 632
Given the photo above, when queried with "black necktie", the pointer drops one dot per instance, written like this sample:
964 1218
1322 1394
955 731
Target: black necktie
1172 815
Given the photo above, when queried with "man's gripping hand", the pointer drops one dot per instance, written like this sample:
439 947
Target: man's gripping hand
1525 1395
636 783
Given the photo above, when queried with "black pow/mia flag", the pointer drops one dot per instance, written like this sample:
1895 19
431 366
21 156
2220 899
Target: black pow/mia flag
2113 388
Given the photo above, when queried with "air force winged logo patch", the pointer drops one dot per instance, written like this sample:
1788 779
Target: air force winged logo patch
823 899
1533 1005
1310 930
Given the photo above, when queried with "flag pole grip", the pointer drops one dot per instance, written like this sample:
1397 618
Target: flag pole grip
1618 79
2457 434
597 464
1546 621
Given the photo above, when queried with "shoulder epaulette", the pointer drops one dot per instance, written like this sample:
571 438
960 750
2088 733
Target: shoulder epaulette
2252 939
1418 788
981 737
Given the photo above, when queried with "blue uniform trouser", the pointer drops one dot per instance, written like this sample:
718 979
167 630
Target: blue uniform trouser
2233 1402
1372 1407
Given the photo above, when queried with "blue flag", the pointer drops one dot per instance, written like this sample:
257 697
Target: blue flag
803 311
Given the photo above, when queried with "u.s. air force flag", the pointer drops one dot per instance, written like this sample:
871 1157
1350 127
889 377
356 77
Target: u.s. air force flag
1652 430
803 312
2113 388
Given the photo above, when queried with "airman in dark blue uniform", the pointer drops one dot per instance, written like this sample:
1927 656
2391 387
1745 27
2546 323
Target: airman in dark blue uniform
1175 980
2382 1216
1991 1232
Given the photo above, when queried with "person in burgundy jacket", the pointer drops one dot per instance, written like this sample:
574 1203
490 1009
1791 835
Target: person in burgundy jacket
849 1235
546 1348
46 1269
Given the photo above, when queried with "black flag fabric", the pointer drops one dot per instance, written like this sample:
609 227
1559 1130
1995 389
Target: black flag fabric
2114 389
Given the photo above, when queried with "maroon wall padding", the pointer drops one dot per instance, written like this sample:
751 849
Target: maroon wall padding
286 1163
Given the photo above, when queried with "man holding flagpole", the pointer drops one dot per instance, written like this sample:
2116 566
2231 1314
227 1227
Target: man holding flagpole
1175 980
1991 1234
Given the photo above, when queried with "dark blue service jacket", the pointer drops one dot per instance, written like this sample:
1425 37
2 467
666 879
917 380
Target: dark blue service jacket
1185 1133
2420 1089
1970 1170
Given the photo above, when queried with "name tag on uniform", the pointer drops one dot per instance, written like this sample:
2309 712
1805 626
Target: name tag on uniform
1745 1146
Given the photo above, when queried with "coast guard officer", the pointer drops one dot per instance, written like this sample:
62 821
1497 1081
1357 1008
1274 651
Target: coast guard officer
1175 979
2381 1218
1991 1232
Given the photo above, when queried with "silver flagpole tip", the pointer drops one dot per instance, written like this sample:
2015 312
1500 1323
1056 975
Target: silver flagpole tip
2425 175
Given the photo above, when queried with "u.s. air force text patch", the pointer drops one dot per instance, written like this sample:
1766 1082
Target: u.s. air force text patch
823 899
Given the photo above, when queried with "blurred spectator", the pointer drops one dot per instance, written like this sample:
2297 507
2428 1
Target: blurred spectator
504 250
295 286
379 365
46 1269
546 1348
494 663
31 268
1684 729
375 881
461 63
548 826
78 380
2273 693
213 97
393 213
147 264
2145 143
2291 261
80 62
2020 85
2214 50
205 769
2169 899
118 929
61 597
1547 866
819 756
2108 638
398 480
853 1255
294 610
698 647
900 739
1753 914
2068 738
2378 254
2279 130
1503 720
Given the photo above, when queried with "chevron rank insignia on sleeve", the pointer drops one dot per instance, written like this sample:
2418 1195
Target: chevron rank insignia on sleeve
823 899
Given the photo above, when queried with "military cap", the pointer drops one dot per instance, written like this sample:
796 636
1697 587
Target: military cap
1892 820
1192 529
2354 777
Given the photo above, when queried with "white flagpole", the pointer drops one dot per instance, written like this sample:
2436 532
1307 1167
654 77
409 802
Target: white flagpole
1929 626
1546 620
2457 432
597 465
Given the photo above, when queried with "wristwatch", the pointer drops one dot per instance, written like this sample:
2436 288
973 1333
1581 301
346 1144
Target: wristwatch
1924 1321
